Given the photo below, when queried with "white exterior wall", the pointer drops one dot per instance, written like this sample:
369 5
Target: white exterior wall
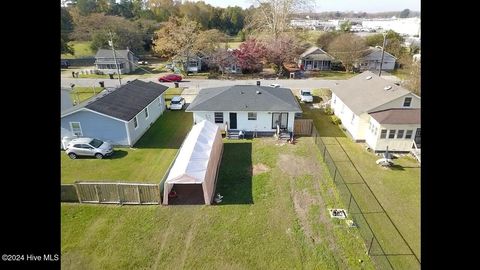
345 114
263 122
155 109
401 145
407 26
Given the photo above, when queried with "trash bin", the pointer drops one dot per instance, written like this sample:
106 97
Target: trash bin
176 84
111 76
258 83
102 84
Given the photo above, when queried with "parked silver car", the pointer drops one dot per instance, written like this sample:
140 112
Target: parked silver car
88 147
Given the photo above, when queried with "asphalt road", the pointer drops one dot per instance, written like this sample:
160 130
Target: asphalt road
204 83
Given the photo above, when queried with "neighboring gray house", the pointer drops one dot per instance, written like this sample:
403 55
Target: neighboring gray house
105 61
315 58
195 62
65 99
120 116
249 108
372 58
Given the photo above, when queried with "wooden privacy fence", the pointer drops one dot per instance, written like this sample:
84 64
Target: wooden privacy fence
114 193
303 127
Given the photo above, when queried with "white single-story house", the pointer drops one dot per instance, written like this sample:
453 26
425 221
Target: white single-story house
250 108
368 105
315 58
120 116
372 58
105 61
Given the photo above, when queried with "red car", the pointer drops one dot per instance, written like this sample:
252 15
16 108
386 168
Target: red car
170 78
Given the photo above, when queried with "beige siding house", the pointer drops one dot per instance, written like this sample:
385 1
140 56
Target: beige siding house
378 112
315 58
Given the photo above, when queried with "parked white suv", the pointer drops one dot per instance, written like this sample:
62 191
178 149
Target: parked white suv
306 96
88 147
177 103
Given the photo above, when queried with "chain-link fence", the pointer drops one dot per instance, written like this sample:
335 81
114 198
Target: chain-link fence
384 243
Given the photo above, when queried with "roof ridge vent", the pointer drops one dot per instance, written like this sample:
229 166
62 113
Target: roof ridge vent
388 87
258 92
368 78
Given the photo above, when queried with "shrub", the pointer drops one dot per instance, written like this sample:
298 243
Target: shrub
336 120
328 110
213 76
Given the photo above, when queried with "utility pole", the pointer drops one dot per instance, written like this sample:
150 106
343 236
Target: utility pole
110 42
383 52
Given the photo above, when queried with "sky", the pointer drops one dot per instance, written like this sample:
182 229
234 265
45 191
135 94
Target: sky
338 5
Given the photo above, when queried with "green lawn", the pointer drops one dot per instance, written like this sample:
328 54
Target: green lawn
274 216
397 190
80 94
401 73
332 75
81 49
146 162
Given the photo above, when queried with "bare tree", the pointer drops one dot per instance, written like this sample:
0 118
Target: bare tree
348 48
221 59
282 50
273 16
412 81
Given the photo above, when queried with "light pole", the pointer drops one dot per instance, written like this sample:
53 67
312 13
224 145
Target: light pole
383 53
110 42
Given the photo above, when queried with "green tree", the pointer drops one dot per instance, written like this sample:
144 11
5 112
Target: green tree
345 26
86 7
348 48
66 28
393 42
324 40
404 13
125 34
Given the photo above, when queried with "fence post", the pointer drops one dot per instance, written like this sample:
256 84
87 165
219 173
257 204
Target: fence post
78 193
350 202
118 193
370 247
138 194
96 192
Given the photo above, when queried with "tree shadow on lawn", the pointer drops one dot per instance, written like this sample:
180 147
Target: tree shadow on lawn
118 153
234 181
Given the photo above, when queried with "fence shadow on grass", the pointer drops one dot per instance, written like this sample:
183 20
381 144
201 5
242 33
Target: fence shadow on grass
234 181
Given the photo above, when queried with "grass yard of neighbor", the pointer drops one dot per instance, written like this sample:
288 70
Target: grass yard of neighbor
397 189
331 75
146 162
273 216
81 49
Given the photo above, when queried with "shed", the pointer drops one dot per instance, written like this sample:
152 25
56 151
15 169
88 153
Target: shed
196 167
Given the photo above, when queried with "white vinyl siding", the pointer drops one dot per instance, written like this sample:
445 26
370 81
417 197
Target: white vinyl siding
146 113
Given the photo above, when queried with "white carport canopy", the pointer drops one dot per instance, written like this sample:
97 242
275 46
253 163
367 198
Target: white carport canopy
197 161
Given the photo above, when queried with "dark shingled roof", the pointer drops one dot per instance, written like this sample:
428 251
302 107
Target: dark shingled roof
245 98
397 116
128 100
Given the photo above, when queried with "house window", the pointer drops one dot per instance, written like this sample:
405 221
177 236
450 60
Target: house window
391 134
400 134
383 134
408 135
135 123
252 116
76 128
407 102
146 113
219 117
